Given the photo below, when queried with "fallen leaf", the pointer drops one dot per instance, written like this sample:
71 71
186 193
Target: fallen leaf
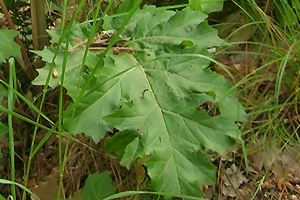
233 179
47 190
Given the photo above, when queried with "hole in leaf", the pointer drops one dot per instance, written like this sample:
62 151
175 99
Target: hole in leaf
112 132
210 108
86 70
144 91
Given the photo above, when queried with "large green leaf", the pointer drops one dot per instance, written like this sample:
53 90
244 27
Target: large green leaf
165 101
8 47
173 130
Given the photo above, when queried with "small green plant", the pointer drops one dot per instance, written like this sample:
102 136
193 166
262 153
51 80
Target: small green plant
147 74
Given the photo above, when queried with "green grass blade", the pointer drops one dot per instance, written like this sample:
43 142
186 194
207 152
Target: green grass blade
65 31
7 182
11 103
281 71
28 102
23 118
134 193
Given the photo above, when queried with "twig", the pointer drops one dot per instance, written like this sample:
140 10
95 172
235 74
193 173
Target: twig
115 49
95 48
30 72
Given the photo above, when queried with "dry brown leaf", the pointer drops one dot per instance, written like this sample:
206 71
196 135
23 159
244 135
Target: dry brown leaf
47 190
233 179
290 158
272 153
268 185
257 160
140 171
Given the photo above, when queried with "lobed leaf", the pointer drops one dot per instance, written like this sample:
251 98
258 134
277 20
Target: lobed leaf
172 131
163 98
8 47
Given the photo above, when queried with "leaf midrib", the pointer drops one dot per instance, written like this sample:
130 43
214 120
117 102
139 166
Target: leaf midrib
165 125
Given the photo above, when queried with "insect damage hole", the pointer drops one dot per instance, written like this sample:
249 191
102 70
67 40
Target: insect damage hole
210 108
